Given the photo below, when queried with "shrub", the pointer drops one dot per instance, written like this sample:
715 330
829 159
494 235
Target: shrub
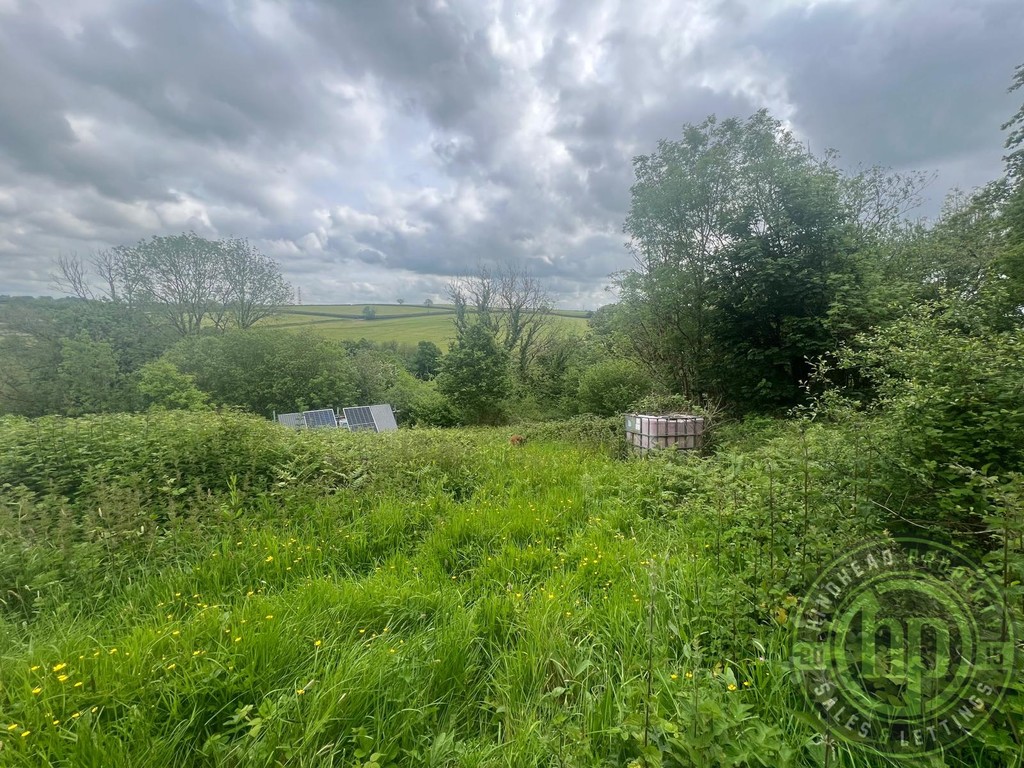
611 387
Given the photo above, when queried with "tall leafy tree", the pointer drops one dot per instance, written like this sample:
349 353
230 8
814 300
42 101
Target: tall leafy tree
475 374
748 263
426 362
1012 219
192 282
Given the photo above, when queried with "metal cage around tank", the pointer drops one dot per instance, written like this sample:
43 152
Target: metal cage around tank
650 432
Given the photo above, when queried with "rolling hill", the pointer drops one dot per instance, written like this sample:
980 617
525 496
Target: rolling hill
402 323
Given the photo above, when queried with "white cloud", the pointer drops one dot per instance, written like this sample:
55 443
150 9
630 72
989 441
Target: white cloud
378 148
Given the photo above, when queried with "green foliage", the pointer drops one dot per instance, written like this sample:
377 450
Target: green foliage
227 592
948 384
161 385
35 334
475 375
1015 125
265 370
192 282
369 312
426 363
418 403
611 387
88 376
751 263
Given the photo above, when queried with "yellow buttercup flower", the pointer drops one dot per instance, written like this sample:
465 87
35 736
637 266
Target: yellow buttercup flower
59 667
732 686
37 690
62 678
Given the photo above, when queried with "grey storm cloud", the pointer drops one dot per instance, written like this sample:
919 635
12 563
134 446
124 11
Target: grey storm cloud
378 148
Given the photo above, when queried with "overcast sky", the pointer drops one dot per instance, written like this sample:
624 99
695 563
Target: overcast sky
376 147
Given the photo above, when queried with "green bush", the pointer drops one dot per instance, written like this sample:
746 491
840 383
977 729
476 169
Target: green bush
611 387
947 409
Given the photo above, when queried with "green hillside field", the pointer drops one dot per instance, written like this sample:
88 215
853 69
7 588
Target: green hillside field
404 324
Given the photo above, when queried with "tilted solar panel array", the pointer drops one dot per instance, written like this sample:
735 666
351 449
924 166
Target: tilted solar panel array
293 420
383 418
322 419
360 418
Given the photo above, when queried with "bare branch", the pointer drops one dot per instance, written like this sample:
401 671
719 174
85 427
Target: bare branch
72 277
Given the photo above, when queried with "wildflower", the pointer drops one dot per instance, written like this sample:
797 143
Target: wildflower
689 675
674 676
238 639
171 666
317 643
746 683
175 633
94 710
270 559
732 686
56 722
300 691
112 651
12 727
37 690
198 653
75 715
62 678
24 734
78 684
270 616
36 668
362 631
59 667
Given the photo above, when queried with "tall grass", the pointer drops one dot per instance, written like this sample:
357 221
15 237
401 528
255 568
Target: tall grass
214 590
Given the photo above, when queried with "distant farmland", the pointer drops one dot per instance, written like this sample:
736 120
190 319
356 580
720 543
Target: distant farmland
393 322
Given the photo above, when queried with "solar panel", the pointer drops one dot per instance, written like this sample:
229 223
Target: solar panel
321 419
359 418
293 420
383 418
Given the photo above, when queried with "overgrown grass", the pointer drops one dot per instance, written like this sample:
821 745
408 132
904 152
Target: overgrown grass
214 590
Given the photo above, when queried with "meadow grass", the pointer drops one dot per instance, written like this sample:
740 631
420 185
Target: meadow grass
403 324
215 590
